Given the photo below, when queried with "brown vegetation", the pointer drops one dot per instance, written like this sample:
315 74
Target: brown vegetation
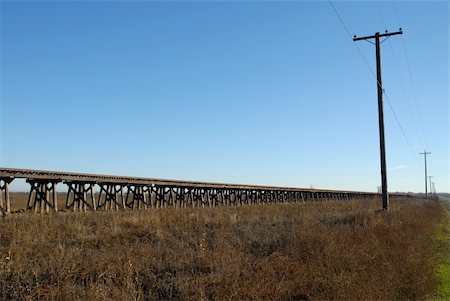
345 251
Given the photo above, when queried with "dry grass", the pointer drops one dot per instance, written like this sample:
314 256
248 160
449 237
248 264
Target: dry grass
19 200
344 251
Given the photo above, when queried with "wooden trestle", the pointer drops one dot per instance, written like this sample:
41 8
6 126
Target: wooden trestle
103 192
43 196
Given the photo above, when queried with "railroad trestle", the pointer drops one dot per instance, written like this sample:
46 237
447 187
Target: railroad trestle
91 192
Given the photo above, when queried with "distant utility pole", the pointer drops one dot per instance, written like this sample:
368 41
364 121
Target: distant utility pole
426 186
377 37
431 190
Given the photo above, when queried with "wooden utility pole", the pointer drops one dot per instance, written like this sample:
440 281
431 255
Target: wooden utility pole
377 37
431 191
426 177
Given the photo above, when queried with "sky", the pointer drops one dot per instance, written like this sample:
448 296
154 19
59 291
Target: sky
254 92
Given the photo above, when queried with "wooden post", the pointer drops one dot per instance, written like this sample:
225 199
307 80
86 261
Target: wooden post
8 203
47 198
116 197
84 198
2 205
69 190
79 198
144 198
137 198
110 191
29 199
122 200
150 200
94 205
42 193
208 197
169 196
75 197
36 200
55 199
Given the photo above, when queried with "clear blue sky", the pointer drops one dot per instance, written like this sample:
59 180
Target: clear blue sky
245 92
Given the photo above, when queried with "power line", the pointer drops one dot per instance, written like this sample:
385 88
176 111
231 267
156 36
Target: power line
380 15
401 128
402 84
374 76
340 19
413 87
351 38
396 12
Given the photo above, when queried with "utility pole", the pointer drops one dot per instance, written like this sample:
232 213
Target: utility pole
377 37
429 177
426 186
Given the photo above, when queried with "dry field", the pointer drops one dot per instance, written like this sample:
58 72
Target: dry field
318 251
